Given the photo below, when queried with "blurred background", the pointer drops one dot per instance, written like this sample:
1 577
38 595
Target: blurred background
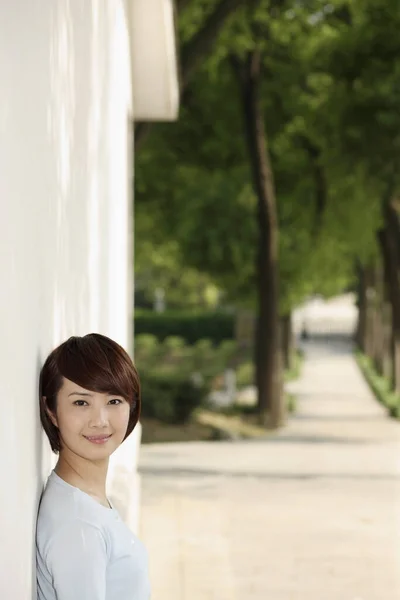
215 185
276 189
267 305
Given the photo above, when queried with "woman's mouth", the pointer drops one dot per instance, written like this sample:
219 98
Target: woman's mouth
97 439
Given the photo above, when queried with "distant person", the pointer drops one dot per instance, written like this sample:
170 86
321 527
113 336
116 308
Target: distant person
304 332
89 404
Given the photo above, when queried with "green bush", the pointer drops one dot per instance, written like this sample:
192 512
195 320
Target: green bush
228 350
203 353
191 326
177 378
147 349
172 354
245 374
174 342
171 397
208 360
146 343
380 386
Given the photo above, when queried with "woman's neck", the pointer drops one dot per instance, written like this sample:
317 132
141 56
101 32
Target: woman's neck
86 475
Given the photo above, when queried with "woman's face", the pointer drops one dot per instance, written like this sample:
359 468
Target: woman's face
84 416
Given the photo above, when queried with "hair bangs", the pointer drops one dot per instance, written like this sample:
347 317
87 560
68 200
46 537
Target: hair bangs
98 367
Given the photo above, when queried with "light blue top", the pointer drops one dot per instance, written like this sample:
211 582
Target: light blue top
84 551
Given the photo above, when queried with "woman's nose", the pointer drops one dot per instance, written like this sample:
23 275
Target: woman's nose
99 417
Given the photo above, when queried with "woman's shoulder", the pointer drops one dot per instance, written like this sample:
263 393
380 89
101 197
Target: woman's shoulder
62 506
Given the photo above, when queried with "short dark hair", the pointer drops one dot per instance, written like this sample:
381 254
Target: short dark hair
96 363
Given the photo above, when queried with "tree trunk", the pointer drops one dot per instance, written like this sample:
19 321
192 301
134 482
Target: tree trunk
389 242
287 341
378 351
369 310
387 366
377 319
268 358
361 332
321 186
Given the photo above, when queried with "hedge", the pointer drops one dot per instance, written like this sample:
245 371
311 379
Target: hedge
216 326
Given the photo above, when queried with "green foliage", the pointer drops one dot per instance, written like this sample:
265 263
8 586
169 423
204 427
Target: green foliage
330 94
159 264
170 397
380 386
291 403
174 349
177 378
190 326
174 344
148 348
295 369
203 359
227 350
359 114
245 374
193 18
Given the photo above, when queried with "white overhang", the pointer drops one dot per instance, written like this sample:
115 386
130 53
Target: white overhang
155 84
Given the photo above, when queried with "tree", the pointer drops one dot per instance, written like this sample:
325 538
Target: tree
202 165
364 66
212 15
267 345
322 80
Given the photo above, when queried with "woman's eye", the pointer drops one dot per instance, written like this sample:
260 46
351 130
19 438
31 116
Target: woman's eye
115 402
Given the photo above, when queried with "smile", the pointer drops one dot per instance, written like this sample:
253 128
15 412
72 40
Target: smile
97 439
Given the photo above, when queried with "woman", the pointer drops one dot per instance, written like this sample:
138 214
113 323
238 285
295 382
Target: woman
89 404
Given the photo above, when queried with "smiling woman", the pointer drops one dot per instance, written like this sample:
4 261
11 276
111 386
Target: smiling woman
89 400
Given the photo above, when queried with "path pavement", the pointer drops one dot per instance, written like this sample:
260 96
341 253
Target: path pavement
311 513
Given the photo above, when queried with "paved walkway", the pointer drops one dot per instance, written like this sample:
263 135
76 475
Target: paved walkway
312 513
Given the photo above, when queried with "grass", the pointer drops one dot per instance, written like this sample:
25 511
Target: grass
379 385
295 370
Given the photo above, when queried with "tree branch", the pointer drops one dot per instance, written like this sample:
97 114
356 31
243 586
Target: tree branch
181 5
196 50
321 191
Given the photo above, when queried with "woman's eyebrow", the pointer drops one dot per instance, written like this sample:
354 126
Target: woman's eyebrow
88 394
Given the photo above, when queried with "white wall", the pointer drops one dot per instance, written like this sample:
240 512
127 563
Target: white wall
64 259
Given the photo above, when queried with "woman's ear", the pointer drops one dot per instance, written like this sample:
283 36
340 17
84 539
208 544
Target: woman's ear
51 416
